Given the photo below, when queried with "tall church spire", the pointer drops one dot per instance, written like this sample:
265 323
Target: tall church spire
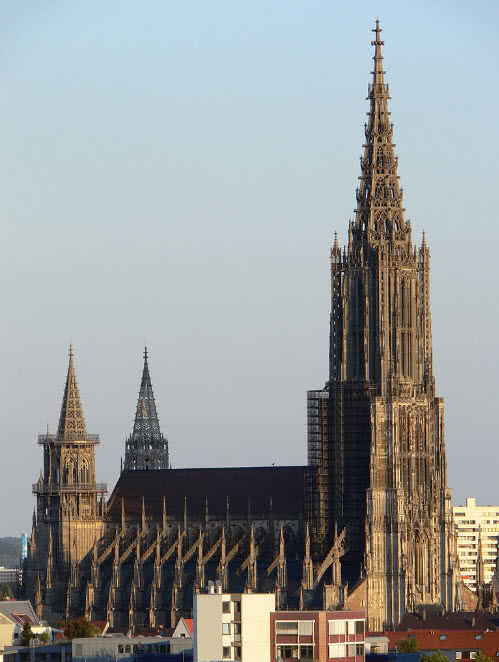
379 215
147 447
385 433
71 421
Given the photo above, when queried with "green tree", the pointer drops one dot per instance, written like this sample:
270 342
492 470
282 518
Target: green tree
44 637
436 656
79 627
26 634
409 645
481 657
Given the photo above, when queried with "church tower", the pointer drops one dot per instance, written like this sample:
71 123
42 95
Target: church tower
146 448
386 453
70 503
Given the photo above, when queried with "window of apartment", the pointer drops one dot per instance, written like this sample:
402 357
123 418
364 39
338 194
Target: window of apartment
287 652
237 608
443 637
306 652
237 628
306 628
351 648
237 653
478 636
225 628
127 648
287 627
226 652
226 607
120 649
337 650
359 627
337 627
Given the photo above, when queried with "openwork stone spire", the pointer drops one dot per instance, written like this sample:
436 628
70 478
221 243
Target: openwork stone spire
71 421
146 448
379 214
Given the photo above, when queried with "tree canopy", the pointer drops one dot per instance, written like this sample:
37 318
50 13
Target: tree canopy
409 645
79 627
26 634
436 656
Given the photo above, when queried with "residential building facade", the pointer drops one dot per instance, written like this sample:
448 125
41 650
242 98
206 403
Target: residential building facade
318 635
477 534
230 626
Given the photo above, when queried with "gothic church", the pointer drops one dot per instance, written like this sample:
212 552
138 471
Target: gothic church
367 523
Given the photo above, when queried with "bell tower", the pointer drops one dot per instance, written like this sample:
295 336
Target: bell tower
386 452
70 503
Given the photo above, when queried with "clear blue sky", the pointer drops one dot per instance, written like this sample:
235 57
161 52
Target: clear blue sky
174 171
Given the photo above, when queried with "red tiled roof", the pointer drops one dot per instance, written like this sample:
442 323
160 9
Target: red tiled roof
190 624
486 641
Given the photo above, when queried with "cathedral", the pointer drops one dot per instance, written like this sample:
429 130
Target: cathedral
366 524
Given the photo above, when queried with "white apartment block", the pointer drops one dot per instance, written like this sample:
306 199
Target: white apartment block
474 523
232 626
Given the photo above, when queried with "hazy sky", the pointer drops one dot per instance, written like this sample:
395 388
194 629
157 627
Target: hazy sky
173 172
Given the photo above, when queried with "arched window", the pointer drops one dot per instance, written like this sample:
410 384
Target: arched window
84 472
68 472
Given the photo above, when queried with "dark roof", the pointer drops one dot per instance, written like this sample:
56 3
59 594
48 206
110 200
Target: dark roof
253 486
436 618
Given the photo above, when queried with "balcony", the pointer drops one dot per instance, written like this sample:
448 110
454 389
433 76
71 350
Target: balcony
54 488
52 439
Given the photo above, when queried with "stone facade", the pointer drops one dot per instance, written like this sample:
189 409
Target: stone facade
387 465
368 524
70 507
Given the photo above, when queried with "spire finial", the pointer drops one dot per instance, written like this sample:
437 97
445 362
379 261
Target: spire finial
378 58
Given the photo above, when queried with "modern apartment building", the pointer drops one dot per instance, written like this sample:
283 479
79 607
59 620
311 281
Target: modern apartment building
477 528
9 575
318 635
232 626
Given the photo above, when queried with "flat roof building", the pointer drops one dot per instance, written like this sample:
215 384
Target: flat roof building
476 526
232 626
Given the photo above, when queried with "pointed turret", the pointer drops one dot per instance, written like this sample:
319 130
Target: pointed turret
38 598
308 566
71 422
163 518
50 561
147 447
123 518
480 566
282 578
252 570
222 566
144 521
200 562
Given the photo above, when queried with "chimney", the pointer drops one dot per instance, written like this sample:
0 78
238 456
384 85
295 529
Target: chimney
211 587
